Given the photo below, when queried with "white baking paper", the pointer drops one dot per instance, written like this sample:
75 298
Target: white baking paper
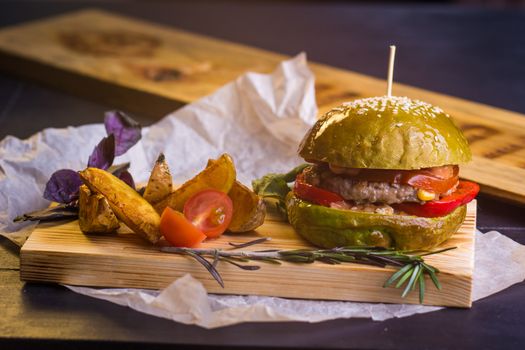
259 119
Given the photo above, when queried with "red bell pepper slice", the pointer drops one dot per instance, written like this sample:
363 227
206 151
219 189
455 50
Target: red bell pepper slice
314 194
465 192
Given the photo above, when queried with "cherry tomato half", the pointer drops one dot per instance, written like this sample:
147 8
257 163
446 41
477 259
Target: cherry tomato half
211 211
178 230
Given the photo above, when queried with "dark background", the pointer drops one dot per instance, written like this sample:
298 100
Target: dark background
474 51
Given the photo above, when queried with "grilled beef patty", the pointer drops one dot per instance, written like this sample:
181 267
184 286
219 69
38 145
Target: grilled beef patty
360 191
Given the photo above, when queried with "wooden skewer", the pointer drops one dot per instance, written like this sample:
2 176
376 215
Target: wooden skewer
390 70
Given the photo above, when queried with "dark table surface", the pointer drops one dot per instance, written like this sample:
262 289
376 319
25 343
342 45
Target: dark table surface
473 53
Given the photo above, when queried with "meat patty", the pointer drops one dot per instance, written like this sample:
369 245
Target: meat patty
360 191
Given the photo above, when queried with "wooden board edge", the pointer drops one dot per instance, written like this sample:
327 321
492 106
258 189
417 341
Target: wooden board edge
35 266
70 275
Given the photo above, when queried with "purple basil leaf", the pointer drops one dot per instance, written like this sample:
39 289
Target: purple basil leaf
126 130
118 169
103 154
127 178
63 186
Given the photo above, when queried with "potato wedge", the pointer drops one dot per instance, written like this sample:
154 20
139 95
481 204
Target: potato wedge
220 176
125 202
249 209
95 215
160 183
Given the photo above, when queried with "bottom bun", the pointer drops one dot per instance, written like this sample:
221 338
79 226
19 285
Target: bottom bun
329 228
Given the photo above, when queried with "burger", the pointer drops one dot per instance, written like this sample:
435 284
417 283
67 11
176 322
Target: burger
384 171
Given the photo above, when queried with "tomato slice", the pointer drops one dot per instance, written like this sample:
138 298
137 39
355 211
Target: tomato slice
465 192
211 211
314 194
432 184
178 231
437 179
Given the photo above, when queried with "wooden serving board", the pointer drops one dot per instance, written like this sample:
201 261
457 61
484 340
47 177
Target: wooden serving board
59 252
152 70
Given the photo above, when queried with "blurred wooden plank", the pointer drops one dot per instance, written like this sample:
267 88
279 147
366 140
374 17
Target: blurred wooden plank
152 70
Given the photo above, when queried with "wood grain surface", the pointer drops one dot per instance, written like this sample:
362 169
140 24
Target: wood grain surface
153 69
59 252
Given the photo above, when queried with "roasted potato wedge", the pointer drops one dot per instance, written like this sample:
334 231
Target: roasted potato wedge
95 214
249 209
125 202
160 183
220 176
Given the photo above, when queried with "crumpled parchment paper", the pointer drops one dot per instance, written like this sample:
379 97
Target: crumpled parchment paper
259 119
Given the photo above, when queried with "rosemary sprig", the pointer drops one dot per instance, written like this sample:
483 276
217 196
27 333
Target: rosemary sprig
247 244
411 272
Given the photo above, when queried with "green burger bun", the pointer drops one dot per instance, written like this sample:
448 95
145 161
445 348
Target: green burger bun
329 228
385 133
379 133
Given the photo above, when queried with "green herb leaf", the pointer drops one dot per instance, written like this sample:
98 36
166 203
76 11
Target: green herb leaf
276 186
433 276
428 267
419 273
438 251
271 261
247 244
405 276
272 186
421 288
396 275
292 174
243 267
412 280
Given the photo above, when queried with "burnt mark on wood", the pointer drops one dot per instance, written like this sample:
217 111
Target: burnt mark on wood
477 132
322 87
327 94
158 74
112 43
512 147
501 151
